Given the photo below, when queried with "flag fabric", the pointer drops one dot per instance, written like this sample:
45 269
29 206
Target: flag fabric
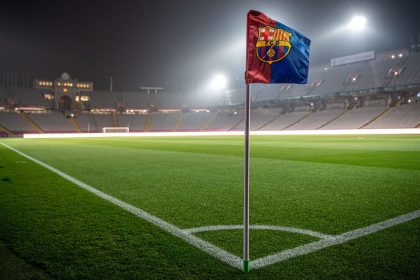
275 53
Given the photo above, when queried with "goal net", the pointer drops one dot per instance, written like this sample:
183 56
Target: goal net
115 129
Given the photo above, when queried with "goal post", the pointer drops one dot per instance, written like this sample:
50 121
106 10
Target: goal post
124 129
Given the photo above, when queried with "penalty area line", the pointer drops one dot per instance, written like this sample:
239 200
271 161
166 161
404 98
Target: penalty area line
205 246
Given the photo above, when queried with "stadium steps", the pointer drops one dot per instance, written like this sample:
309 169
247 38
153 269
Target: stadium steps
302 118
75 125
335 118
208 121
115 121
148 122
5 129
95 124
237 124
383 113
270 121
178 121
31 122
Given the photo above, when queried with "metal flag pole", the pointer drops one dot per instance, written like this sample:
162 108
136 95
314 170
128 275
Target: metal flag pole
246 262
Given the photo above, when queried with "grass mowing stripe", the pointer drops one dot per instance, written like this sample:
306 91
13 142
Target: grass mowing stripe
173 186
339 239
351 150
191 239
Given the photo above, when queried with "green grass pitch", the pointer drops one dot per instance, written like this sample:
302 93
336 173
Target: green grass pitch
52 229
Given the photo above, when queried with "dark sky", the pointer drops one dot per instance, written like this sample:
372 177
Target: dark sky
145 42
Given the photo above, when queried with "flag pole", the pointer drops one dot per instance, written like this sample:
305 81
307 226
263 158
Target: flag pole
246 262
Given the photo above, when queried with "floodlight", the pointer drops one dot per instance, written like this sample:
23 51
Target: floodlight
358 23
218 82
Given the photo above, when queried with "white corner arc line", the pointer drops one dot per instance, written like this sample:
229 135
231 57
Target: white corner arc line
338 239
261 227
189 238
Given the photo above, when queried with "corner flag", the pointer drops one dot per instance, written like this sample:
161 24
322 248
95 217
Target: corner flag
275 53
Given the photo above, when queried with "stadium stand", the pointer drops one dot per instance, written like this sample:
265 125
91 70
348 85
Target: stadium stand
382 92
316 119
136 123
164 121
193 120
227 121
168 100
15 122
355 118
3 97
103 120
87 122
410 73
337 76
286 120
210 119
52 122
260 117
133 100
103 99
404 116
238 96
29 97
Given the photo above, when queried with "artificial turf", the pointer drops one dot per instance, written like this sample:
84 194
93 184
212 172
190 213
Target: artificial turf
330 184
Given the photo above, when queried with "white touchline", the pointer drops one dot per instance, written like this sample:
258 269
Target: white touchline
191 239
187 234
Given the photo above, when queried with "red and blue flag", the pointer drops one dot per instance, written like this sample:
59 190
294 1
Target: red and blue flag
275 53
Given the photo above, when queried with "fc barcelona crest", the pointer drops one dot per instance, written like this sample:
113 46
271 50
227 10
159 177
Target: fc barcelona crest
273 44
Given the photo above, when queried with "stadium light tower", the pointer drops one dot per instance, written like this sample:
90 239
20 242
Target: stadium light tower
218 82
358 23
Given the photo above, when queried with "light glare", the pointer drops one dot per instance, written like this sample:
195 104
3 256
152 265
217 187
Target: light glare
358 23
219 82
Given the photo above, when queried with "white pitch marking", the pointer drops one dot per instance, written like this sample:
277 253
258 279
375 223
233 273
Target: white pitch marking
338 239
261 227
221 254
191 239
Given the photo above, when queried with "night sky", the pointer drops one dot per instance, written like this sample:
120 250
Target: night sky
146 42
